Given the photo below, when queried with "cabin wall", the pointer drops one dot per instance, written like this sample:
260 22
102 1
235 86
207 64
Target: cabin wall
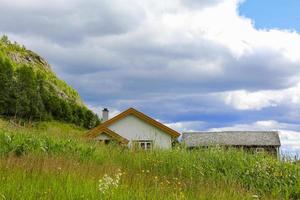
103 136
133 128
272 150
269 149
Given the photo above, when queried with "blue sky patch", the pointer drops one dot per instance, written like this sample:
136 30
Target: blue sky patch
268 14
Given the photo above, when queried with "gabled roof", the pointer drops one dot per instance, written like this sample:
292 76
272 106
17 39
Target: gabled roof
113 135
231 138
131 111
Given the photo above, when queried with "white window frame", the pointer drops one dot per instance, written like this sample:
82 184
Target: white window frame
143 144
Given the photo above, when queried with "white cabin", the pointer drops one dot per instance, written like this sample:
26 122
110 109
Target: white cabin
134 129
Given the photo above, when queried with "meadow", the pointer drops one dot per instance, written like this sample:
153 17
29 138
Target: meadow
53 160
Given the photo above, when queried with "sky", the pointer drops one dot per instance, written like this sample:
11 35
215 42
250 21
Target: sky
270 14
195 65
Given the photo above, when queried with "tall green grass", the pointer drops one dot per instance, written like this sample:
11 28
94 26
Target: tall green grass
70 167
48 177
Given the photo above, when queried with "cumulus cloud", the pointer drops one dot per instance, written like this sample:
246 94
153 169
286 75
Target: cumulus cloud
187 126
200 4
189 46
193 61
244 100
68 21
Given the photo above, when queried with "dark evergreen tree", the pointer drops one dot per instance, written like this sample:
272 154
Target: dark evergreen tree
25 87
6 78
90 119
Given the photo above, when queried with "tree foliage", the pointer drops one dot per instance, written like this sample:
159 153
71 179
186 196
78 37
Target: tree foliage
26 94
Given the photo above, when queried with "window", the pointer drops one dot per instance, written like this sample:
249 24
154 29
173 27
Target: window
259 150
143 144
105 141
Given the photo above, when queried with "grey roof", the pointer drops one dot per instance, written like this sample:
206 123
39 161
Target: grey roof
231 138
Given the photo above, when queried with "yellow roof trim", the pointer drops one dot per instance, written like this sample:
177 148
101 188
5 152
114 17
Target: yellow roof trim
112 134
140 115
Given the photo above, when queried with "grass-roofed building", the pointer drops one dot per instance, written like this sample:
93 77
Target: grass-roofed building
255 141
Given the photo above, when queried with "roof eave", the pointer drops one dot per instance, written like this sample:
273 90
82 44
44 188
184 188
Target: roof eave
142 116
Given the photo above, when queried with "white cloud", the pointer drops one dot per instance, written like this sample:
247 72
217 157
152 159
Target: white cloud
198 44
187 126
244 100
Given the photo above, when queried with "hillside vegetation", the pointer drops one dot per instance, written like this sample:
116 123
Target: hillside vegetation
53 160
31 91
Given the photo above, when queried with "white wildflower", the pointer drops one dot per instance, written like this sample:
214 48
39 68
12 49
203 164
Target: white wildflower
109 183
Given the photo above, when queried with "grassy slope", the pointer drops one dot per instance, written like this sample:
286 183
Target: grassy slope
52 160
